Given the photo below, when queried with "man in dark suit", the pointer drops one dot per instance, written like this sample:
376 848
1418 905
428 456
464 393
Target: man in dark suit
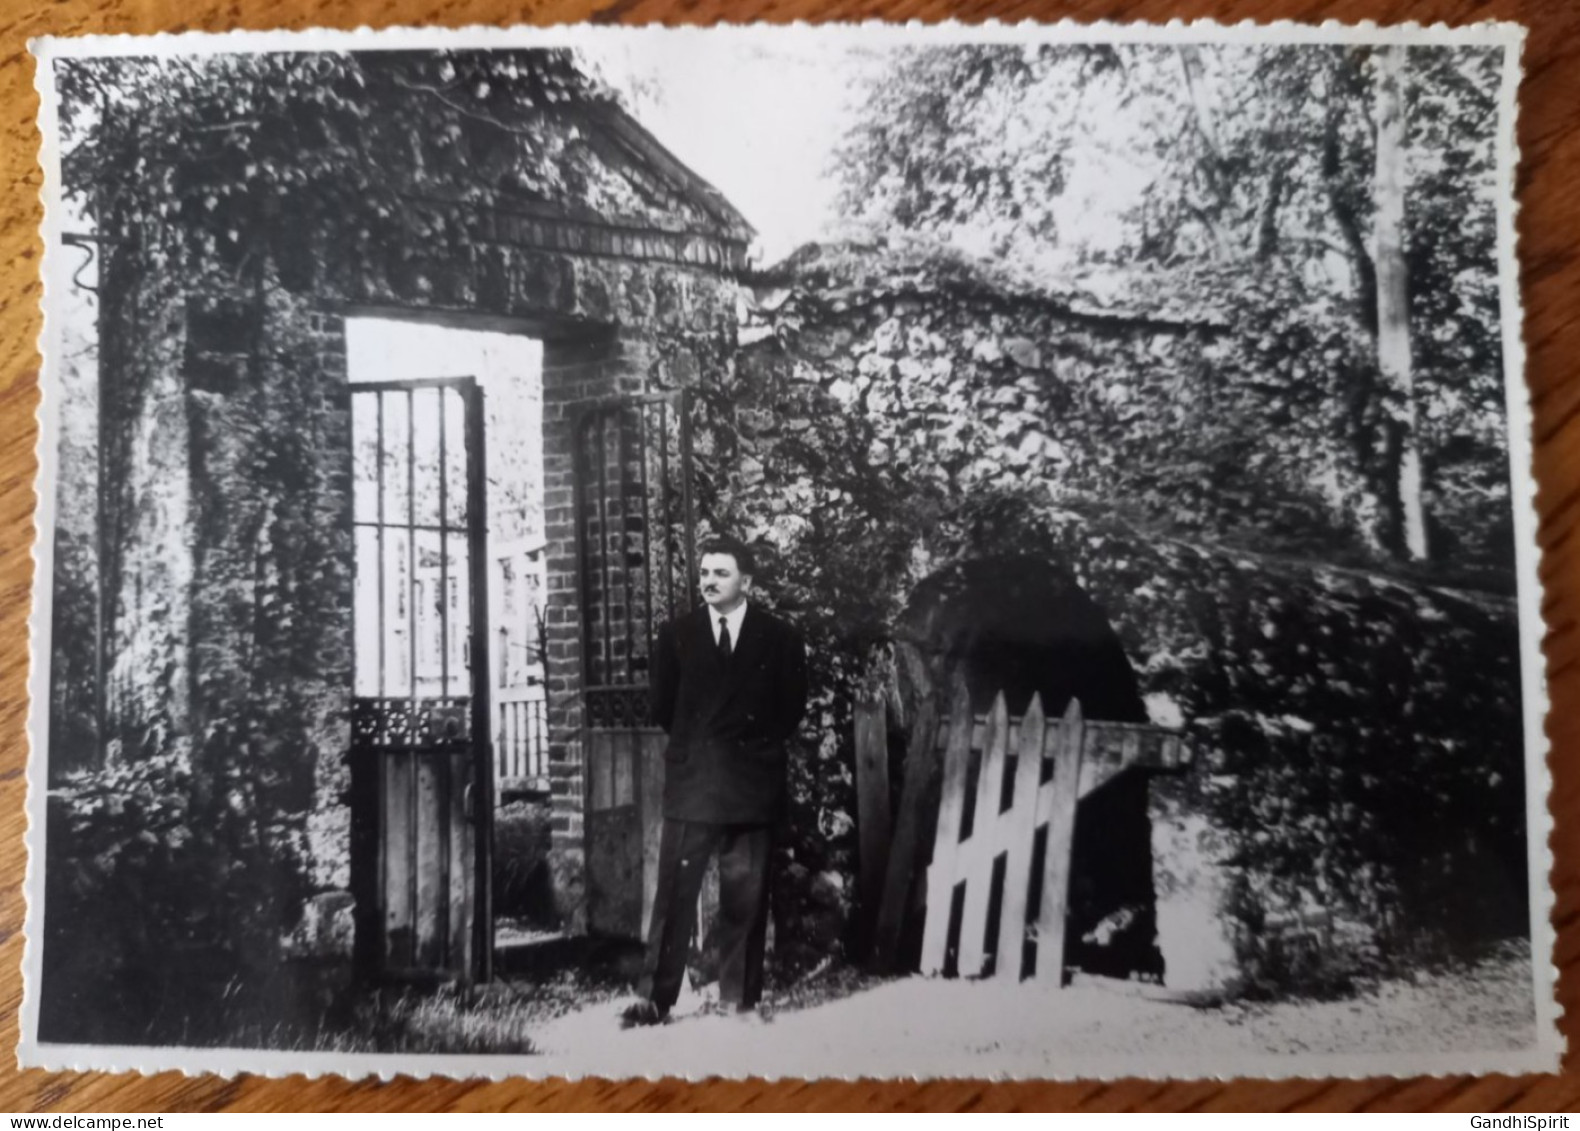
729 687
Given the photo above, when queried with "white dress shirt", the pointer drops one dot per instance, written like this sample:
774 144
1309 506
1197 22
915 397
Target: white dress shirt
733 620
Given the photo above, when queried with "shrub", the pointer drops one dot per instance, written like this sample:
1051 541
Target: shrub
523 885
165 899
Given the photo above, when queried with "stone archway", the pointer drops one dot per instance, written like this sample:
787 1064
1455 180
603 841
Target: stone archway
1022 625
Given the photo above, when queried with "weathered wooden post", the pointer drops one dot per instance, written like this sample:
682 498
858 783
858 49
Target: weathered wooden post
921 771
946 843
873 822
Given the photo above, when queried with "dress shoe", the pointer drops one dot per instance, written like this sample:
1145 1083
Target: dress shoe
643 1013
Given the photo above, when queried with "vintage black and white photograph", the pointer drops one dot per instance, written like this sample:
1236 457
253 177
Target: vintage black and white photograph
996 551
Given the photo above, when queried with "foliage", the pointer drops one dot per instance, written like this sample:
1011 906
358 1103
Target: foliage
165 897
522 886
74 571
1255 166
73 734
915 159
908 376
225 145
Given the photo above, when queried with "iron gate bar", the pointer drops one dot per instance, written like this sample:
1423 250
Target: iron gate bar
688 517
482 748
579 497
663 474
413 859
620 537
416 383
444 668
603 543
647 527
411 542
423 526
378 462
383 763
444 556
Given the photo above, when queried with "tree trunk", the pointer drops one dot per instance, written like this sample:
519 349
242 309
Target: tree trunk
1393 297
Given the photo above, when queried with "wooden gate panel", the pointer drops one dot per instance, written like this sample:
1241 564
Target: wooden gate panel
433 858
615 877
397 865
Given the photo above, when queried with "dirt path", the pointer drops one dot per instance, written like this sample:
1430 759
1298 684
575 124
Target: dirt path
918 1026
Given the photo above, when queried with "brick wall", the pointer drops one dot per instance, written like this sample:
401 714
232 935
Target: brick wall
571 374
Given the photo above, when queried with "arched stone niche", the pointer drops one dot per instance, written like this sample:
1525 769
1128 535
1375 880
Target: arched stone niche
1023 626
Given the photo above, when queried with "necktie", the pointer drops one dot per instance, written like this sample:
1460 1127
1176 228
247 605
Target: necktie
724 640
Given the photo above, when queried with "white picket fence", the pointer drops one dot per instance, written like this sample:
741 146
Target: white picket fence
1012 802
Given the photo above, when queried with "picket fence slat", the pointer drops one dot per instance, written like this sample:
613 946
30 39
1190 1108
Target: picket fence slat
941 873
1064 793
974 860
1020 833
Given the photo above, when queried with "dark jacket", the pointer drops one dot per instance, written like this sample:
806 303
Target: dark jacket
729 724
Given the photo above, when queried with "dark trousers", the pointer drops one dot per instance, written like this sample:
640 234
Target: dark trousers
742 928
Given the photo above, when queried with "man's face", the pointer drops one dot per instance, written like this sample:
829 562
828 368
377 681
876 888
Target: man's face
724 586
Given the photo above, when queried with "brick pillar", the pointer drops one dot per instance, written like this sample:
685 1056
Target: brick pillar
573 373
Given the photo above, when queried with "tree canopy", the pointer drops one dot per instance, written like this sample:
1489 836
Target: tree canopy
1247 178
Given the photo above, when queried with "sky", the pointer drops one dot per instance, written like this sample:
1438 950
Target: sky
759 124
762 124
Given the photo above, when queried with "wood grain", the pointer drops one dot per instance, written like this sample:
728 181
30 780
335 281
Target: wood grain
1549 222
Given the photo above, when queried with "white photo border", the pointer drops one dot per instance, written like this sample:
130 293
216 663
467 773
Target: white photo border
1548 1043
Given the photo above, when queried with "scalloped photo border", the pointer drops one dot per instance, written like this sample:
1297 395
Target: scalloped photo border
825 1058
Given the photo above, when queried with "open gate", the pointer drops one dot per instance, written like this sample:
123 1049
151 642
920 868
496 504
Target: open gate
420 759
636 530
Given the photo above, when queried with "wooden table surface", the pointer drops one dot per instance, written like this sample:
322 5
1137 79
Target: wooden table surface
1549 222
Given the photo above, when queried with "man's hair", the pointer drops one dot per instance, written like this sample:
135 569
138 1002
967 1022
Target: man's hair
745 560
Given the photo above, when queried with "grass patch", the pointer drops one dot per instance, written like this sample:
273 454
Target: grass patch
449 1019
499 1018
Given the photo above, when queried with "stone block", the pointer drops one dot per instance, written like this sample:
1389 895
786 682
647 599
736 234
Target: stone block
325 930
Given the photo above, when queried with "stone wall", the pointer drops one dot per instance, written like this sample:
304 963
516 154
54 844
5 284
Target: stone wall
270 601
148 508
1359 793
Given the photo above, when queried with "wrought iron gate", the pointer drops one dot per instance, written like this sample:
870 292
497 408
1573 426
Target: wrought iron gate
420 759
636 530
